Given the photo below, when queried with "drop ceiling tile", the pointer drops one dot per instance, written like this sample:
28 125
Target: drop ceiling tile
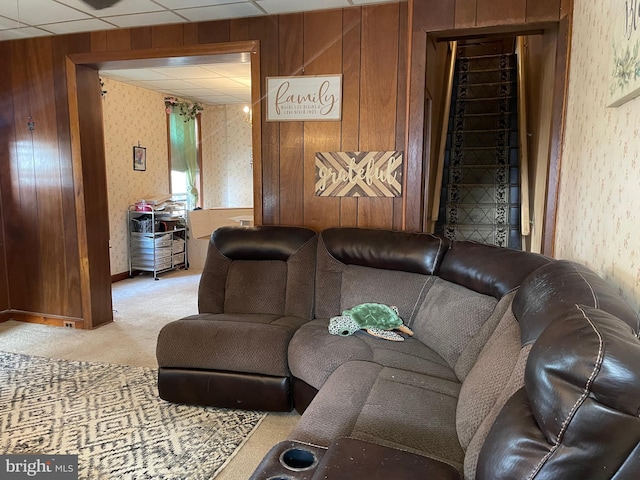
76 26
218 12
243 80
153 18
221 100
367 2
185 73
216 83
289 6
164 84
24 32
230 69
191 92
135 74
6 23
9 10
127 7
175 4
33 13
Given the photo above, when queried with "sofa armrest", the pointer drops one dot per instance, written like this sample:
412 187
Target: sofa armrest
349 458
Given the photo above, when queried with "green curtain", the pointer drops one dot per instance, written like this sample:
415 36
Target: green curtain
184 154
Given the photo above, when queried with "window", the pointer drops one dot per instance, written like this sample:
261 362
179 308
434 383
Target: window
185 161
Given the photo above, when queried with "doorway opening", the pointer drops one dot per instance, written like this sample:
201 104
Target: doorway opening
89 157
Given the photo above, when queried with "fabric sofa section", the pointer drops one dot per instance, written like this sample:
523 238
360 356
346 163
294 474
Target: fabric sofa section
450 317
364 265
371 402
418 255
267 269
256 290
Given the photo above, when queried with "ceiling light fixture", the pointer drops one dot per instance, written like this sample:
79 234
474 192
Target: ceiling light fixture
100 4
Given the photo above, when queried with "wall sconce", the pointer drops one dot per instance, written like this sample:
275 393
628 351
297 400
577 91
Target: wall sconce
247 114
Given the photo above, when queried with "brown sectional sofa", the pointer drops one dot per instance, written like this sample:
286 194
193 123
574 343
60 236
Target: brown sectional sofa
520 366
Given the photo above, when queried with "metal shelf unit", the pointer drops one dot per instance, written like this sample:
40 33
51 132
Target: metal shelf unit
157 240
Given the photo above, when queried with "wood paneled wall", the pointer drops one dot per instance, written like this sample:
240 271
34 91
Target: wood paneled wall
52 210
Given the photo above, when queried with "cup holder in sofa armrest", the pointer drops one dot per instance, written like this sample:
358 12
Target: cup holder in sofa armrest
289 460
298 459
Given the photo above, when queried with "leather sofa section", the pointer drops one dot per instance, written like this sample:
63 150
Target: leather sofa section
386 249
303 394
260 243
488 269
577 415
349 458
225 389
546 296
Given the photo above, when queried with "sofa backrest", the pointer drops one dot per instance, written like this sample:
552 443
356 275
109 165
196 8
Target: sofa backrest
266 269
488 269
546 296
358 265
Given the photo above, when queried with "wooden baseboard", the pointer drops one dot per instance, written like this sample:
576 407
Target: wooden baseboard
118 277
53 320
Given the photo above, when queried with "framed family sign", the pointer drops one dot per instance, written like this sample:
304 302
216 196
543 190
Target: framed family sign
304 98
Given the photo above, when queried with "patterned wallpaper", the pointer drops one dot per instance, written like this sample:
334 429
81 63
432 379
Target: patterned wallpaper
226 157
131 115
599 184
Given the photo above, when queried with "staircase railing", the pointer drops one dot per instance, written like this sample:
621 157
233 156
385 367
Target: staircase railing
453 46
525 224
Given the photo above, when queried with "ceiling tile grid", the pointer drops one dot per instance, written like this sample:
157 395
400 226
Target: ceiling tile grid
28 18
221 83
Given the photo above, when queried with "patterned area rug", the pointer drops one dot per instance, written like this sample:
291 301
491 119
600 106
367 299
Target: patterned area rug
112 418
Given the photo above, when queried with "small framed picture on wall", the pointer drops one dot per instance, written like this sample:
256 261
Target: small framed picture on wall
139 158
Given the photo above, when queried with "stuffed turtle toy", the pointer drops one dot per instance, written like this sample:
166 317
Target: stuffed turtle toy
374 318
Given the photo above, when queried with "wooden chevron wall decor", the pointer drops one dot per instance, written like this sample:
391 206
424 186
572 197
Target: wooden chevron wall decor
359 174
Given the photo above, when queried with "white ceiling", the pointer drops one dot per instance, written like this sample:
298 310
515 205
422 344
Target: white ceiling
212 84
220 83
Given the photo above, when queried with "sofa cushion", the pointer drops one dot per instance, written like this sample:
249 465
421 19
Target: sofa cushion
577 415
469 355
497 374
256 286
248 343
391 407
391 287
266 269
314 354
349 259
449 317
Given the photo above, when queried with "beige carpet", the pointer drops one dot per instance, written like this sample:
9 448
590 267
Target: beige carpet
141 307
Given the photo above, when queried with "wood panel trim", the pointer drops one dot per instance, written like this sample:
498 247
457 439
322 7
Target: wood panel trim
41 318
256 132
563 58
181 55
78 182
